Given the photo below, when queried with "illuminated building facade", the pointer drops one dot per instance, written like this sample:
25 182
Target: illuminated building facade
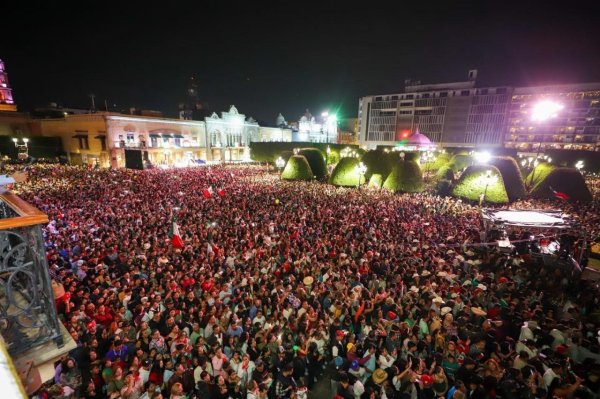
101 138
6 99
312 130
456 114
460 114
569 118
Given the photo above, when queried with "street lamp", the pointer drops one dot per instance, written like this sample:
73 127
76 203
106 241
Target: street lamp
488 179
542 112
362 169
280 163
22 149
482 157
327 152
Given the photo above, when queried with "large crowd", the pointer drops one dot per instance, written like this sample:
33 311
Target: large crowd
288 289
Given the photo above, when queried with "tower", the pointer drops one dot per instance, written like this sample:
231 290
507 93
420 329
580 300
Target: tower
6 99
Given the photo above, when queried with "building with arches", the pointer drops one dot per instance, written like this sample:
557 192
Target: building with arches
102 138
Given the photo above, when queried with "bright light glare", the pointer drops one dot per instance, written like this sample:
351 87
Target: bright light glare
482 157
545 110
280 162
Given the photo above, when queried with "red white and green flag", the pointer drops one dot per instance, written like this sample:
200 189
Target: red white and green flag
207 192
174 234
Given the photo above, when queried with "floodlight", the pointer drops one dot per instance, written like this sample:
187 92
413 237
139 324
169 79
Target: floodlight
482 156
545 110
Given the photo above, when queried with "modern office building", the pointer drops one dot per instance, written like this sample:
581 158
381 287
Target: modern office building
450 114
461 114
554 117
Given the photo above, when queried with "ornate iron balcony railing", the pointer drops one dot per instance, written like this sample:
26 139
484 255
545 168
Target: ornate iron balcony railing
27 311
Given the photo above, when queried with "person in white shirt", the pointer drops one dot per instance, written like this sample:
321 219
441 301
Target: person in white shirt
553 372
260 318
385 360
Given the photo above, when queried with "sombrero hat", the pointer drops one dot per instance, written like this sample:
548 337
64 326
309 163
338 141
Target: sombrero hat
379 376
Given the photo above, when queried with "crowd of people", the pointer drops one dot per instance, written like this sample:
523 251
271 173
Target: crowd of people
288 289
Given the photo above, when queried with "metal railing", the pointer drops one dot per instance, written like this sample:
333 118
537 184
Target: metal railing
27 310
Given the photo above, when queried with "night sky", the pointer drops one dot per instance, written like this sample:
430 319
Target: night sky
286 56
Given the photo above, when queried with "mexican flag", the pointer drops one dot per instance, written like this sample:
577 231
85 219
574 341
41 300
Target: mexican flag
560 195
207 192
174 235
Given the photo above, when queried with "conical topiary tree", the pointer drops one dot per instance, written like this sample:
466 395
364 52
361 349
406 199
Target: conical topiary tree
376 180
441 159
379 162
406 177
316 161
346 173
478 180
564 180
511 174
538 174
445 173
297 168
460 161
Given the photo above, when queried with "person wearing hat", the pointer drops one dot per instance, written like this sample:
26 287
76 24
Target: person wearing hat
377 380
339 348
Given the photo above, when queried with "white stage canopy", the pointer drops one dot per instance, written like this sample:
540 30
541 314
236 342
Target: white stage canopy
528 218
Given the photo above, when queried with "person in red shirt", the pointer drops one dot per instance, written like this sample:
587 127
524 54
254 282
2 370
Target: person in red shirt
104 316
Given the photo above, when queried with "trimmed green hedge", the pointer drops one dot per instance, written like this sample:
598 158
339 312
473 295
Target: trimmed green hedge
568 158
316 160
460 161
472 184
441 159
376 180
511 174
565 180
297 168
443 188
538 174
379 162
286 155
270 151
346 173
406 176
445 173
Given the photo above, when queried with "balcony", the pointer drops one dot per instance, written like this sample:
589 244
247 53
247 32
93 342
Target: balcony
31 331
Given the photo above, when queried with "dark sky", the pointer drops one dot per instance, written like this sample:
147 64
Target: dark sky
287 56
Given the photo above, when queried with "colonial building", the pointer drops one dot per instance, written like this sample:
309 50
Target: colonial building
6 99
323 130
102 138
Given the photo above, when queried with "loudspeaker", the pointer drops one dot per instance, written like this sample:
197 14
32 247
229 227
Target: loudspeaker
133 159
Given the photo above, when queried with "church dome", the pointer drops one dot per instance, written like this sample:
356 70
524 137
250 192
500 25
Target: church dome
419 139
